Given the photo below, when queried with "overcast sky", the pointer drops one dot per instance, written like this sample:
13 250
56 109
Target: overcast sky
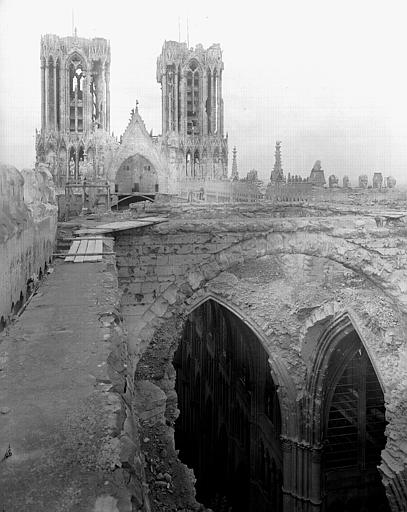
327 78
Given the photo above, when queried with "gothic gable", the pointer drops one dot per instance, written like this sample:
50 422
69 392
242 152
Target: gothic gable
137 141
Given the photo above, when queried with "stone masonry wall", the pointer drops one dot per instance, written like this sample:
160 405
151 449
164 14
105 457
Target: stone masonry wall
27 234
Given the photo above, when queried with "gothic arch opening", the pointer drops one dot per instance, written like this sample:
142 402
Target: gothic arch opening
50 92
136 175
188 163
229 425
208 105
352 430
72 164
76 70
215 163
58 94
215 106
196 166
81 159
193 98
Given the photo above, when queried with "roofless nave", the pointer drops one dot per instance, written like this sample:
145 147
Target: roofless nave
262 345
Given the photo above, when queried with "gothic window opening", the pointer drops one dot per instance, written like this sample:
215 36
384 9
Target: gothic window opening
196 168
209 101
57 95
172 85
193 95
94 100
51 96
72 164
224 162
215 102
215 163
354 431
76 96
188 164
229 408
179 100
81 159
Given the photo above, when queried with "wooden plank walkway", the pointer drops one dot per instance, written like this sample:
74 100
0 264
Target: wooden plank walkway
85 250
119 226
90 247
72 251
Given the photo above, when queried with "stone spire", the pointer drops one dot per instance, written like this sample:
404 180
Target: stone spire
277 173
235 173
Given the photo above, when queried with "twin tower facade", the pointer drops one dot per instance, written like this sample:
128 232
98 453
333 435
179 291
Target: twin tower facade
75 139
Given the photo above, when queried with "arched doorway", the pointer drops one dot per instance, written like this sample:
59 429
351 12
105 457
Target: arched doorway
136 175
238 411
353 431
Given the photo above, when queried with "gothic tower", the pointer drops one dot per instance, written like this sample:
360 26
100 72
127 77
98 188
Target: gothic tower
192 107
75 106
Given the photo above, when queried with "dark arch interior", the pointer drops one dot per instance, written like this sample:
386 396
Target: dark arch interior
354 431
136 175
229 426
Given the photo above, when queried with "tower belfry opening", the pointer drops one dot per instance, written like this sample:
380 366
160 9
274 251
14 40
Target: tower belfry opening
229 426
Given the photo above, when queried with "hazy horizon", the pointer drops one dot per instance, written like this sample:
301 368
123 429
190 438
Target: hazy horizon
325 78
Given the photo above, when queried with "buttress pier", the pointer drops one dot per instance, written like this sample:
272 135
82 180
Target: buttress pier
75 108
192 109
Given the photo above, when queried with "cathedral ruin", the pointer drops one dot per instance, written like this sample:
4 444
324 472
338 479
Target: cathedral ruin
215 347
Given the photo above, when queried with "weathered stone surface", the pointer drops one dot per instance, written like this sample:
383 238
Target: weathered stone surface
149 402
289 279
65 425
27 234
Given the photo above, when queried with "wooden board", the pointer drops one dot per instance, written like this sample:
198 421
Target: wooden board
83 246
95 247
120 226
72 251
84 250
90 250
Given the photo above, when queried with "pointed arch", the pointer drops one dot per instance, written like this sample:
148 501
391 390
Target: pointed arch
136 174
193 73
196 164
286 390
235 370
75 72
76 57
338 328
345 419
188 163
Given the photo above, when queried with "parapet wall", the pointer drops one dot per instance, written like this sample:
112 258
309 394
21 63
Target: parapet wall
28 222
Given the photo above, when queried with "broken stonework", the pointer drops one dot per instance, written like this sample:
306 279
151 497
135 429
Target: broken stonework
290 280
149 402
